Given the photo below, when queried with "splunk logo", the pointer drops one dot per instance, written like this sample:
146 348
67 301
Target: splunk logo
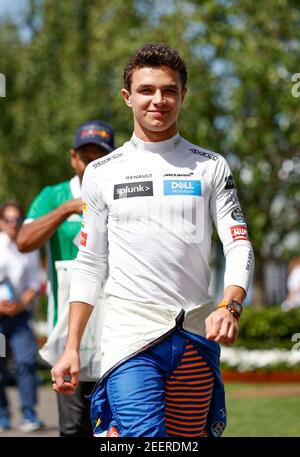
133 189
182 187
2 86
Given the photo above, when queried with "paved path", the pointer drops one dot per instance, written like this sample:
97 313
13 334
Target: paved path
47 411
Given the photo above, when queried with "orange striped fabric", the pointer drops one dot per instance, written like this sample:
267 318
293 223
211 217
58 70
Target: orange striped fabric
188 394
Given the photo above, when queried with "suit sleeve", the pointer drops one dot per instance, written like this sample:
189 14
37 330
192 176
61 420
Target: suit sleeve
89 271
231 227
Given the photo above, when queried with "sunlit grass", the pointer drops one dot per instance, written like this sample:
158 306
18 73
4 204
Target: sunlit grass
261 416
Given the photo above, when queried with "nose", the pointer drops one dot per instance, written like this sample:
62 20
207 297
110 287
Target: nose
158 97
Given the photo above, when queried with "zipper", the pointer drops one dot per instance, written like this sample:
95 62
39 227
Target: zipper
178 325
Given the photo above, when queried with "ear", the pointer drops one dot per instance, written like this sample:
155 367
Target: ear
183 94
73 157
127 97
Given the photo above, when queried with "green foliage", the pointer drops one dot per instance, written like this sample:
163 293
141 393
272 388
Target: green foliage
268 328
240 58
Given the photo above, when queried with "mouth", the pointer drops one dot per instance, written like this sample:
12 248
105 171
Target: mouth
157 111
157 114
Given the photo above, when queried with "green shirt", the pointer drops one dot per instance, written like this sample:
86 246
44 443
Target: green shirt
61 246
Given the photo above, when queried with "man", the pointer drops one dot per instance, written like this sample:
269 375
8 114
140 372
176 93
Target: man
154 199
293 285
55 217
20 283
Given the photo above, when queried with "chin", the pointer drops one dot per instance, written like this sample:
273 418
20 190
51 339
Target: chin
157 127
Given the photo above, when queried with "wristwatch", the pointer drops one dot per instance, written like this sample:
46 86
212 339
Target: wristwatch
233 306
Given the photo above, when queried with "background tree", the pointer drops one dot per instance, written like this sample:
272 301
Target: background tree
241 58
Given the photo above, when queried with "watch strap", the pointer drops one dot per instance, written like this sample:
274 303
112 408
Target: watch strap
233 306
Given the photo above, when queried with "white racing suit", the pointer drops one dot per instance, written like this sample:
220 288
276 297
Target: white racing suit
153 204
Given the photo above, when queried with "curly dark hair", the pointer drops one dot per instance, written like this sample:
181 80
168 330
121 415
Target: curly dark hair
155 55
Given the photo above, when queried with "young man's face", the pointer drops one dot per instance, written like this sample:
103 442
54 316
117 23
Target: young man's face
82 157
155 98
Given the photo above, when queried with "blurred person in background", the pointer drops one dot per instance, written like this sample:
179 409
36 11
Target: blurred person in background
19 286
293 285
55 218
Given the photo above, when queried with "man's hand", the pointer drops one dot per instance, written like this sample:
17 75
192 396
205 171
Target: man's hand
35 233
221 326
74 206
68 366
3 306
10 308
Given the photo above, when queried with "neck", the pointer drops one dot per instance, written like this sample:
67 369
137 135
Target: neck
149 136
12 237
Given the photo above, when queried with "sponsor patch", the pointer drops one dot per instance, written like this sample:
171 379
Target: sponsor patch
218 429
85 206
223 412
249 260
133 189
229 182
239 232
98 422
237 215
182 187
202 153
179 175
113 432
87 133
83 238
232 197
146 176
101 162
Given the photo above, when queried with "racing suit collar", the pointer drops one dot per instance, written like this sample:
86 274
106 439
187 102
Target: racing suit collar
157 146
